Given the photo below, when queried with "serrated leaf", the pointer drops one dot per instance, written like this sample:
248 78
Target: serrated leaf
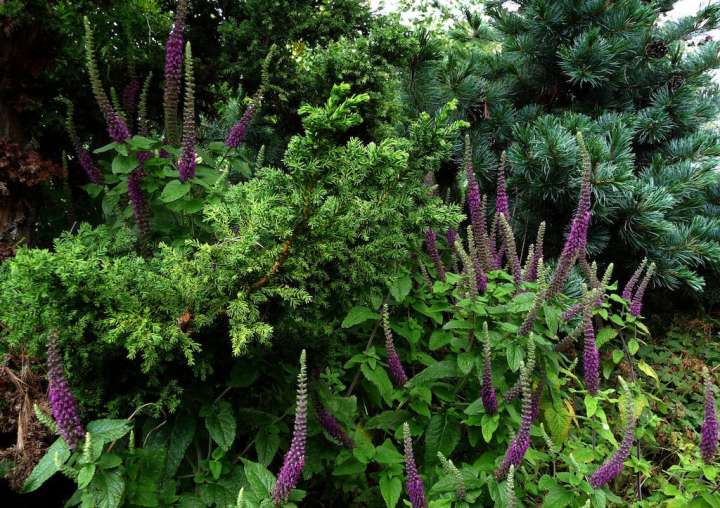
438 370
107 488
648 371
386 453
489 425
123 164
390 488
85 475
357 315
604 335
220 424
379 378
441 435
558 423
267 442
108 430
47 466
591 405
261 480
174 190
180 438
466 361
633 346
401 287
438 339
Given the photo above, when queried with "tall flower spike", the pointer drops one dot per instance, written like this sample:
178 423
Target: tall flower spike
510 488
468 270
143 118
636 304
520 444
511 250
591 357
116 126
130 98
294 460
330 425
413 482
451 469
574 244
502 204
186 164
431 246
476 207
480 275
585 188
173 73
84 157
627 293
397 372
540 298
531 273
709 433
62 403
489 398
425 275
139 203
612 467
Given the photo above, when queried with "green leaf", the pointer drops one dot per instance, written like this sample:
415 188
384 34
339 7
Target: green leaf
465 361
439 370
267 442
47 465
180 438
109 430
124 164
648 371
215 469
390 488
379 378
141 143
107 488
558 497
106 148
93 189
386 453
558 422
438 339
462 324
552 318
633 346
514 355
605 334
401 287
260 479
220 423
85 475
174 190
441 435
489 425
357 315
617 355
591 405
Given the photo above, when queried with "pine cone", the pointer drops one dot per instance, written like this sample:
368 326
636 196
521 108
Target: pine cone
656 49
675 82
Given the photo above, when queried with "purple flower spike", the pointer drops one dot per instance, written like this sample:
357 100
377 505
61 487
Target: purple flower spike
610 469
238 132
117 128
627 293
186 164
431 246
396 369
294 460
502 204
489 397
636 304
516 451
330 424
63 405
173 72
591 357
709 439
414 484
88 165
451 236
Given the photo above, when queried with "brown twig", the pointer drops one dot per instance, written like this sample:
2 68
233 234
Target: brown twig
279 262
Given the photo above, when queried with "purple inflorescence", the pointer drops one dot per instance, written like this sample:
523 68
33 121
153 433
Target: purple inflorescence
489 397
63 405
610 469
502 204
591 357
413 483
294 460
431 246
627 293
130 97
173 71
117 128
330 424
637 299
397 372
451 236
516 451
88 165
709 434
238 132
